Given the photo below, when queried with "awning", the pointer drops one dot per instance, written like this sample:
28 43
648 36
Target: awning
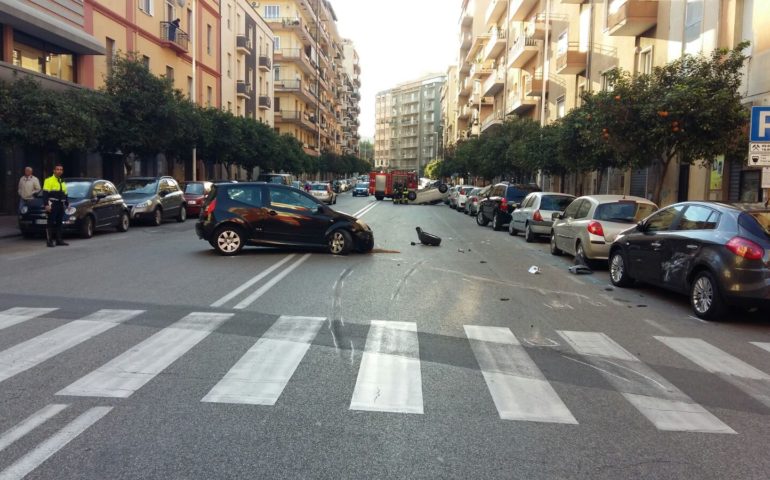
38 24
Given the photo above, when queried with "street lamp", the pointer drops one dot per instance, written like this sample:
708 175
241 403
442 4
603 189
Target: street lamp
194 36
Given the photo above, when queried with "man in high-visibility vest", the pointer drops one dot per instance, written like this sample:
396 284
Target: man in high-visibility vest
55 202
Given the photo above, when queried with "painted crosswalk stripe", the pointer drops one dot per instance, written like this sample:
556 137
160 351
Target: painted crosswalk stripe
663 404
30 423
17 315
262 373
389 378
36 350
267 286
128 372
762 345
29 462
518 388
750 380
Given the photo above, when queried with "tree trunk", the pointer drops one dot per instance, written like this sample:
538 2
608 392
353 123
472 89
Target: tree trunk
599 177
662 179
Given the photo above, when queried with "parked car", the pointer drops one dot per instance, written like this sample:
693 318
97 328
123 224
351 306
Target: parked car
153 199
277 215
590 224
93 204
715 253
501 201
534 217
194 195
298 185
448 195
461 196
279 178
474 199
323 192
362 189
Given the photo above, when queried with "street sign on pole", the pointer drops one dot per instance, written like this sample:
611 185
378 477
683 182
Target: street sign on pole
760 124
759 154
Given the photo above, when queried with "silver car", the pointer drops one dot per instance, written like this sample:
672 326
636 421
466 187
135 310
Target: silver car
323 192
590 224
534 216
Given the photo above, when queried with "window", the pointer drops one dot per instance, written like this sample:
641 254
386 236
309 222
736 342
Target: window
662 220
291 199
623 211
582 212
249 195
190 23
99 189
571 211
229 16
110 55
276 43
170 73
693 23
277 73
606 84
560 107
147 6
698 217
170 11
556 203
189 88
645 61
146 61
17 57
272 11
208 39
229 65
562 43
209 96
110 188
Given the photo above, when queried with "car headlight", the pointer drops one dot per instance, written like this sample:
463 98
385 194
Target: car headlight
143 204
24 209
363 225
70 211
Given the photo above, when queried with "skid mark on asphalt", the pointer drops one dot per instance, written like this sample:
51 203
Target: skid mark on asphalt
336 321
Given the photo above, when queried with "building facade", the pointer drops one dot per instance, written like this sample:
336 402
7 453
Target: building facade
408 126
349 97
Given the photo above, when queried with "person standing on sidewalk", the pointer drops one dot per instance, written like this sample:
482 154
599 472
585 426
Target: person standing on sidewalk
55 202
29 185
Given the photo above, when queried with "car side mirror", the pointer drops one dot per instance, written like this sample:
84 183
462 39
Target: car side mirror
557 216
640 226
100 196
163 193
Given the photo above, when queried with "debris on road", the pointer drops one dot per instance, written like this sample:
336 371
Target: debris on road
427 238
504 299
413 244
483 261
580 270
460 250
534 270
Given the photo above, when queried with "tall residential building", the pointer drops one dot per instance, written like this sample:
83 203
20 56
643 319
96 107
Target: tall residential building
408 124
308 73
449 107
349 98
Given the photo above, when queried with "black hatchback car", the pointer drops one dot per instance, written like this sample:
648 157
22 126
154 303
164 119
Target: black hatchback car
500 203
93 204
716 253
235 215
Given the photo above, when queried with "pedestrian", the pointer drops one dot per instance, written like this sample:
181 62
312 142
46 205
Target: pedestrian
55 202
172 28
307 187
29 185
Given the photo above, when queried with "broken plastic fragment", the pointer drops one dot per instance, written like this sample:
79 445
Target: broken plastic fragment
534 270
580 270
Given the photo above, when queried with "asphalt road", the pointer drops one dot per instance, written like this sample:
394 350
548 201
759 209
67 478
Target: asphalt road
145 355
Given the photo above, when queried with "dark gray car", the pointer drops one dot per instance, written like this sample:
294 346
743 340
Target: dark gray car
716 253
154 199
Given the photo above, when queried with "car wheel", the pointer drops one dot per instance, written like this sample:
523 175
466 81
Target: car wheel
618 274
705 298
496 226
512 231
529 235
157 216
481 220
87 227
581 258
182 214
378 197
228 240
554 249
339 242
124 222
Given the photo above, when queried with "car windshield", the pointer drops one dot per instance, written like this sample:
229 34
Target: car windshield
77 190
362 185
136 185
556 203
194 189
623 211
320 186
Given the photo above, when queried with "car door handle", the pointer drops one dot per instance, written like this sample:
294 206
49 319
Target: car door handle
655 244
692 247
272 213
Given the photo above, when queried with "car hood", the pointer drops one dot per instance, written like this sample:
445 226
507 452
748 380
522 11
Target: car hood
134 198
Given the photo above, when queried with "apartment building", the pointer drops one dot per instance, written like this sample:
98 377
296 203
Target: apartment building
349 97
308 72
408 127
449 107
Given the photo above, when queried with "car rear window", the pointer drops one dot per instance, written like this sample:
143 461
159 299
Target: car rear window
757 223
466 190
320 187
623 212
517 194
556 203
194 188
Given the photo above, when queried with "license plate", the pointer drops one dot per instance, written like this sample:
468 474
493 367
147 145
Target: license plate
41 221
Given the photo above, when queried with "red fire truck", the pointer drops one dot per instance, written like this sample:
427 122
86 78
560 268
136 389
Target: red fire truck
396 184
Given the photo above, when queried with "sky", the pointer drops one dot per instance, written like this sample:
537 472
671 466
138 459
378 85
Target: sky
397 41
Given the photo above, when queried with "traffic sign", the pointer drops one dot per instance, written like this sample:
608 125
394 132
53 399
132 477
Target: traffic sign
759 154
760 124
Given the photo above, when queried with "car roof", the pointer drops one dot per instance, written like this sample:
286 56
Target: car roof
600 199
149 178
81 179
559 194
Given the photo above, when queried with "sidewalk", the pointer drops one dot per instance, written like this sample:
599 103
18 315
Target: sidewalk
9 226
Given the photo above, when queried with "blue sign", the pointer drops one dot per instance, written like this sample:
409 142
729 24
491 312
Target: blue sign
760 124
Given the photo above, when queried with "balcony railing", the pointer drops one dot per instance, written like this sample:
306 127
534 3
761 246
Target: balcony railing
265 62
244 89
496 43
174 37
523 50
571 61
288 84
481 70
265 102
243 44
534 85
633 18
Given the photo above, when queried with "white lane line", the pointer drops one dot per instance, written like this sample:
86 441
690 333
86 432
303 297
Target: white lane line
367 207
389 378
251 282
519 389
36 350
262 373
663 404
750 380
29 462
13 316
30 423
267 286
130 371
762 345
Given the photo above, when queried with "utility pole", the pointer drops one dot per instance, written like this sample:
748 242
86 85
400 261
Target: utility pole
318 73
194 93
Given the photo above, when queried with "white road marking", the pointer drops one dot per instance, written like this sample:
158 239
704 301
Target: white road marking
29 462
762 345
36 350
518 388
750 380
663 404
262 373
130 371
660 327
267 286
13 316
30 423
389 377
365 209
361 214
251 282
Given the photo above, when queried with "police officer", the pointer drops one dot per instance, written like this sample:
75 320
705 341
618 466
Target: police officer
55 201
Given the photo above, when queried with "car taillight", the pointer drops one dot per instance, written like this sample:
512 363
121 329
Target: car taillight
211 206
745 248
537 217
503 204
595 228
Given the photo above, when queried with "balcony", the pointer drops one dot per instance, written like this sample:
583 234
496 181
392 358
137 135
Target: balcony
465 87
463 112
174 37
481 70
519 104
466 18
571 61
521 8
493 119
495 45
292 24
296 87
265 102
535 28
477 47
243 44
632 18
534 85
477 100
465 40
524 49
296 55
495 9
265 62
244 90
494 83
